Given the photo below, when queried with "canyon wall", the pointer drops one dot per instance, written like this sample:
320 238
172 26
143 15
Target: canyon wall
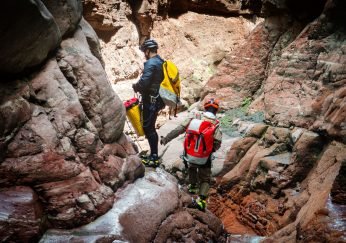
278 179
62 150
63 153
195 42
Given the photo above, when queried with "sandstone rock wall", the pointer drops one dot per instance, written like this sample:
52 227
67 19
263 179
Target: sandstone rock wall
62 150
301 66
195 42
276 181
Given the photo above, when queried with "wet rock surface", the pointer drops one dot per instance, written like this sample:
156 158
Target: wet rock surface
152 209
22 217
65 162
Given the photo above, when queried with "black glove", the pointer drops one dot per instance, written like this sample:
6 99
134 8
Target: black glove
134 87
163 140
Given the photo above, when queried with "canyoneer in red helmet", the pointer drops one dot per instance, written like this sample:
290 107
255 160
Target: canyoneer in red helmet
203 137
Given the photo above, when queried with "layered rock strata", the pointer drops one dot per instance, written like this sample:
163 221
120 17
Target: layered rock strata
277 182
302 66
62 150
152 209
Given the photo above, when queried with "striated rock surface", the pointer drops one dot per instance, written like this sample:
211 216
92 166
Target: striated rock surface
309 77
302 66
241 74
119 38
62 150
21 214
152 209
280 185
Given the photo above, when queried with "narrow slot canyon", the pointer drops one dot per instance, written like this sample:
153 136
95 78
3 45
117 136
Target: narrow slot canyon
72 164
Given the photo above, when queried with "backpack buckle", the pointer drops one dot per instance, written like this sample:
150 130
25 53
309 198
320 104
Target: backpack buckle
153 99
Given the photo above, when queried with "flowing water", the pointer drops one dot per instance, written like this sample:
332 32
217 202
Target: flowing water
244 238
337 215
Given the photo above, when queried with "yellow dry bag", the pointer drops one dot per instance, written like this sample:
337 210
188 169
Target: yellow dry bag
170 86
133 113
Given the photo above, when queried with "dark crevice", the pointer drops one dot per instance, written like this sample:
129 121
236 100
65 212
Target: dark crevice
306 10
338 192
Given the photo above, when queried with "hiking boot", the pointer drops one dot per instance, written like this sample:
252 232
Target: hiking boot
145 159
192 188
151 161
144 156
154 161
199 203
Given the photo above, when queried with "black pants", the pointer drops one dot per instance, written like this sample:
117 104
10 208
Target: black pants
150 111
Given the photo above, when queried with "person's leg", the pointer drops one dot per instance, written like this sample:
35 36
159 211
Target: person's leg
149 120
204 174
193 179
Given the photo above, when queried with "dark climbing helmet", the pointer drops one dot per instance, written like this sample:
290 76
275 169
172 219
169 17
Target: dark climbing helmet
149 44
212 103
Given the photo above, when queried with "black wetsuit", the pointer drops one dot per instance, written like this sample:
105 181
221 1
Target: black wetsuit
148 86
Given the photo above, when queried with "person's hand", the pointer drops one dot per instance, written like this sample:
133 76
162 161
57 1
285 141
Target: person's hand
163 140
134 88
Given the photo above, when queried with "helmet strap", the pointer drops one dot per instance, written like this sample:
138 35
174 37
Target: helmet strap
211 109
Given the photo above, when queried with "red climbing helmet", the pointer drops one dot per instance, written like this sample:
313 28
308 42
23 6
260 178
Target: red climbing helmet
211 103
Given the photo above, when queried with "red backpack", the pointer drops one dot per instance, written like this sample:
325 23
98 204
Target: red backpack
199 141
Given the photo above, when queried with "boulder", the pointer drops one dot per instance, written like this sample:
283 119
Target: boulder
35 31
152 209
238 149
67 14
102 106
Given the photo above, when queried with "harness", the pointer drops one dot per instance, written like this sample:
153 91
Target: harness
153 99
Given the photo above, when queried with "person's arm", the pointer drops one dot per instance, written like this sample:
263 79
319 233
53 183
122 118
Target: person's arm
217 139
144 82
175 132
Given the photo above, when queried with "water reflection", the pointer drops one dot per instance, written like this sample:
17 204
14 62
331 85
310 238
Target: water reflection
244 238
337 215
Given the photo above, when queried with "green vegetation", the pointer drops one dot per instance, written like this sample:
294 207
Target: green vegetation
239 113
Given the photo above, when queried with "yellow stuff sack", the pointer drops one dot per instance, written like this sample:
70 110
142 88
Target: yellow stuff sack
170 86
133 113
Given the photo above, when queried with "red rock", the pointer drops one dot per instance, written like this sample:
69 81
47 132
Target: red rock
22 218
64 197
237 151
243 71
